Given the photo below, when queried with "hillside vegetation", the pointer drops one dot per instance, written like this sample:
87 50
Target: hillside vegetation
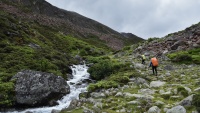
35 39
125 85
29 45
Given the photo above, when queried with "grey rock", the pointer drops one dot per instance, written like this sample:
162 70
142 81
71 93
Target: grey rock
187 101
119 94
140 81
37 88
97 95
154 109
169 67
177 109
55 111
139 66
158 103
197 89
177 44
133 102
35 46
157 84
146 91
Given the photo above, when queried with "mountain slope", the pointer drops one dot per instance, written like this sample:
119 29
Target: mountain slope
132 36
66 21
179 41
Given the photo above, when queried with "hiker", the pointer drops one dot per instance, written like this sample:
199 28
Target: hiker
154 65
143 59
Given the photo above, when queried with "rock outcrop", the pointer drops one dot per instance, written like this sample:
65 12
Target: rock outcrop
182 40
35 88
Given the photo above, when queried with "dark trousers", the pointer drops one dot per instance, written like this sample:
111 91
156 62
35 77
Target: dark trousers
143 61
154 69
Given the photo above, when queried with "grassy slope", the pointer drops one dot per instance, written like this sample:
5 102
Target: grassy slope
28 45
183 75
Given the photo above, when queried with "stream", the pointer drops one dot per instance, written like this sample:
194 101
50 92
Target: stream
79 73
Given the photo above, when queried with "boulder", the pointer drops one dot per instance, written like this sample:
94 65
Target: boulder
154 109
187 101
177 44
35 88
177 109
157 83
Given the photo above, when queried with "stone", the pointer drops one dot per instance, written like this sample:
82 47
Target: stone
177 109
197 89
55 111
169 67
157 84
35 88
187 101
134 102
146 91
154 109
158 103
119 94
177 44
139 66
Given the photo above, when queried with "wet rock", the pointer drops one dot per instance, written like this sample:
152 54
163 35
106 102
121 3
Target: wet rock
55 111
73 104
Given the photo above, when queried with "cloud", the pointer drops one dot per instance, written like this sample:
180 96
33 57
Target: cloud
144 18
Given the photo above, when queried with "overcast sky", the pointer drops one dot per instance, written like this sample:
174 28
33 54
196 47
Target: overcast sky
144 18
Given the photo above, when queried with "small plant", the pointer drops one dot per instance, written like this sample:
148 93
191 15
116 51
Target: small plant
181 90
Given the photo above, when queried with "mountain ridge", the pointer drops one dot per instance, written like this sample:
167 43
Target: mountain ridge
68 22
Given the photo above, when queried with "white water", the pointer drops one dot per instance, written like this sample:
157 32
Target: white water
79 73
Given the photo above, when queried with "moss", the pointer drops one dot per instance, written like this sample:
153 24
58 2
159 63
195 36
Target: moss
196 101
6 94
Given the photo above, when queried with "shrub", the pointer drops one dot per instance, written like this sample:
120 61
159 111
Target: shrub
92 87
188 57
181 90
100 70
91 59
120 79
196 101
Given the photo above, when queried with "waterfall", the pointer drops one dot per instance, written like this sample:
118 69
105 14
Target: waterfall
79 73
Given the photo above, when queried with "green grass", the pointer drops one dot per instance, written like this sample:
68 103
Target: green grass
187 57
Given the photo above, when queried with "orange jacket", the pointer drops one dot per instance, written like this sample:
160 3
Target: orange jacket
154 61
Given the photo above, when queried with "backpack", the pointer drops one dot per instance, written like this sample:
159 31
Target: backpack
154 61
